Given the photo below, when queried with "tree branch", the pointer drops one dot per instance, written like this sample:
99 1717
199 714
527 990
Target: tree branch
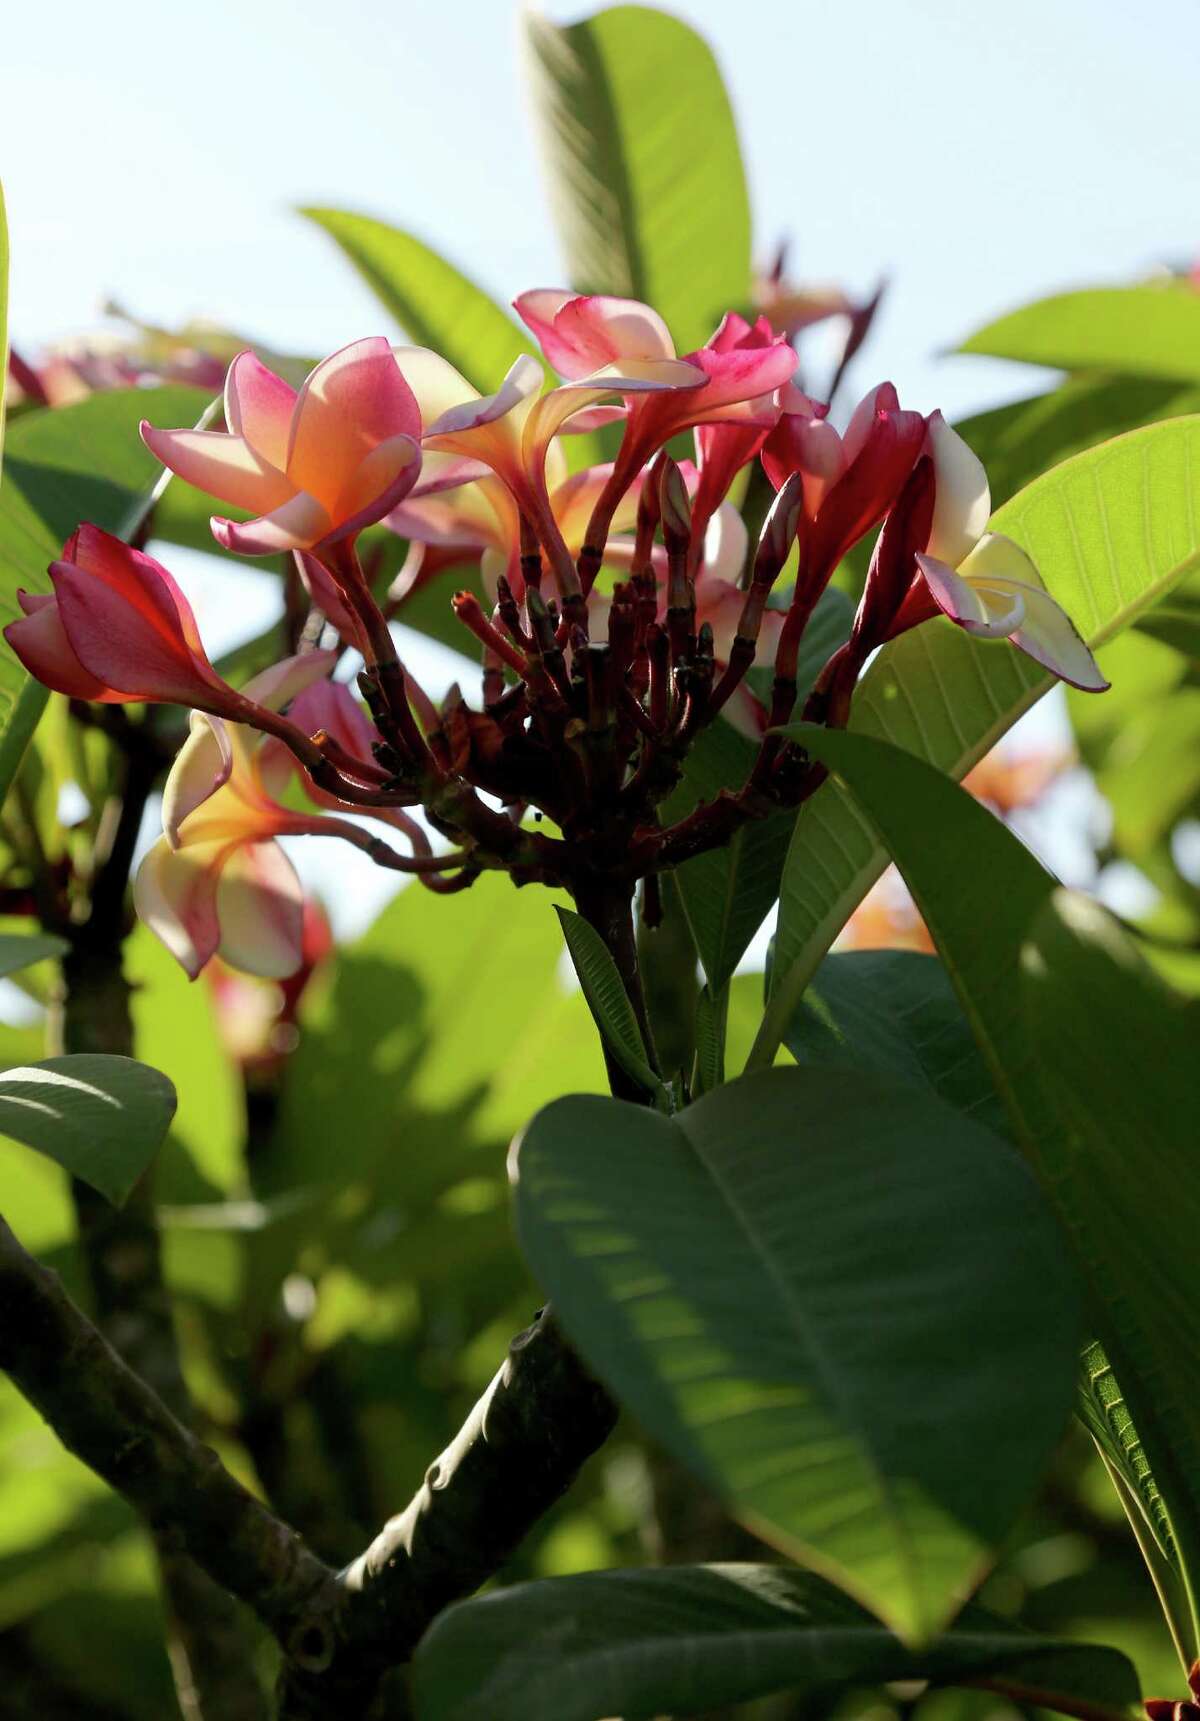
120 1428
517 1453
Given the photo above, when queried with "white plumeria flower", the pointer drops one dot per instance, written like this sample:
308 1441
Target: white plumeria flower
984 581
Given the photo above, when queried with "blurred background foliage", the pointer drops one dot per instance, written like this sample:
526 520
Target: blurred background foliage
333 1197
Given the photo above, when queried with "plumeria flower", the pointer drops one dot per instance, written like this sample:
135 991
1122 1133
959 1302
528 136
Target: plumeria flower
314 467
217 882
511 431
117 629
982 580
736 375
849 481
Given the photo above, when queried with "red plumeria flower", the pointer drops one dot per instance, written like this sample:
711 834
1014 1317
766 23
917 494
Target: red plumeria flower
117 629
314 466
849 481
982 580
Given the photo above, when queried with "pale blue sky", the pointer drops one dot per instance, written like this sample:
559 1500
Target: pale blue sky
980 156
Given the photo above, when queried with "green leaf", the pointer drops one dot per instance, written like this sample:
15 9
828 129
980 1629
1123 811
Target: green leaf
1111 532
607 998
755 1279
434 304
1017 443
895 1011
1092 997
641 1644
101 1118
1078 989
72 463
644 167
20 950
1140 331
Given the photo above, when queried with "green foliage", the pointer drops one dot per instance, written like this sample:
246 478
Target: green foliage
1017 443
643 162
1055 998
434 304
102 1118
1150 331
895 1011
607 998
753 1279
644 1644
21 949
1111 531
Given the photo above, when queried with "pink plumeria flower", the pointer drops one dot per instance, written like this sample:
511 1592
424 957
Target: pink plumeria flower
984 581
314 467
216 881
117 629
511 432
732 377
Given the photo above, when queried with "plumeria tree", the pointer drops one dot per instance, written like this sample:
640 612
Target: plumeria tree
811 1267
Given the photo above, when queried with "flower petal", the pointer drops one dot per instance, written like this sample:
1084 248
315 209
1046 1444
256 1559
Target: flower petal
435 383
522 381
260 908
175 894
131 626
277 686
259 407
203 765
725 544
296 525
603 328
378 484
223 466
40 641
353 401
963 602
962 501
1045 632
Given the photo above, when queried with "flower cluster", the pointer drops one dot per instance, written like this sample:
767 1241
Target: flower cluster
619 608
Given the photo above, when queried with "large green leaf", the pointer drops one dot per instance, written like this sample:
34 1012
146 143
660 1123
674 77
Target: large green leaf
1141 331
643 162
1111 532
1131 1125
101 1118
640 1644
73 463
433 302
758 1280
1096 1086
895 1011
